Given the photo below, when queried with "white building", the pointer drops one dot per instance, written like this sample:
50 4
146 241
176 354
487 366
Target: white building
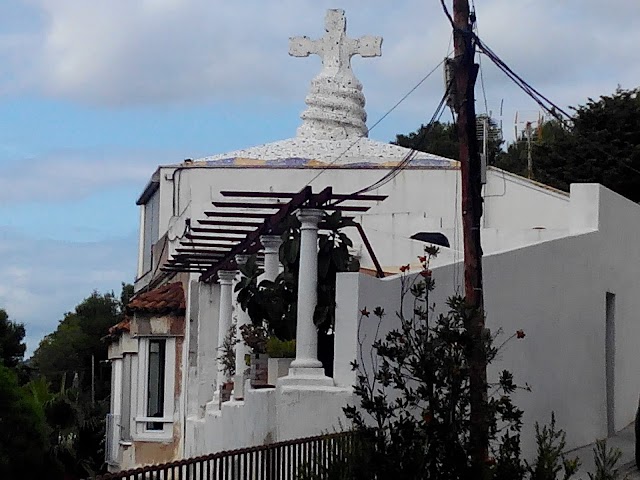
560 266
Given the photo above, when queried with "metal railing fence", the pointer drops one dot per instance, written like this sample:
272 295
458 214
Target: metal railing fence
289 460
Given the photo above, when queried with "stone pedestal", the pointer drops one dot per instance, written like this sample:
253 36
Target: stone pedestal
278 367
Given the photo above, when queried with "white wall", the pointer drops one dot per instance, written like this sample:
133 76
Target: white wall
420 199
554 291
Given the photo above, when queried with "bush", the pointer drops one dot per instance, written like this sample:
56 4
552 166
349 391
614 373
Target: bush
277 348
414 392
23 431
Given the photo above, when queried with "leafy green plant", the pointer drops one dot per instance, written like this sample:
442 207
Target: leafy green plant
277 348
550 460
414 392
274 303
606 461
255 336
227 352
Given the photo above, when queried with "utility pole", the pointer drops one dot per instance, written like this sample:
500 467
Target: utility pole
466 72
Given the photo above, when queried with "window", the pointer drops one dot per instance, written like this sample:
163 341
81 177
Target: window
154 383
150 229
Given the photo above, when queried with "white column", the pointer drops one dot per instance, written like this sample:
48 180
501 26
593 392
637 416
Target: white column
116 394
271 244
306 369
225 278
241 348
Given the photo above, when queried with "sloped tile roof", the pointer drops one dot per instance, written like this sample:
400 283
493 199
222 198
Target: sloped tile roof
165 299
123 326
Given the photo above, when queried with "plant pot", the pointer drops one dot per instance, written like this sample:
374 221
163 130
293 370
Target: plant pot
225 391
278 367
259 372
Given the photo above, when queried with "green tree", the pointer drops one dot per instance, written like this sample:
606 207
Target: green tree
70 348
12 347
601 145
75 418
442 139
23 432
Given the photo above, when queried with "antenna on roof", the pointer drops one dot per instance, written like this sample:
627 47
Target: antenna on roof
531 126
487 130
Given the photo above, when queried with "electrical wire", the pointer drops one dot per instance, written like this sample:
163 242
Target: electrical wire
396 105
477 32
446 12
538 97
409 156
546 104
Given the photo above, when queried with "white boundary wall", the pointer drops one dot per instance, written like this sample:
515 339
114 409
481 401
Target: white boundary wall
555 291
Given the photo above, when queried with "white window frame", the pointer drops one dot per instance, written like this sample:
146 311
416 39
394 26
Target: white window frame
141 432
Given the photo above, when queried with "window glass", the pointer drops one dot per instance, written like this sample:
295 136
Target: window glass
155 382
150 233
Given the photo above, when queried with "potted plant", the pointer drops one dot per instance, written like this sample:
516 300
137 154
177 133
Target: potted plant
255 336
281 353
228 360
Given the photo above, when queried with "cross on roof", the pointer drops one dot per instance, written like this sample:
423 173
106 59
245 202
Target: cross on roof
335 101
335 48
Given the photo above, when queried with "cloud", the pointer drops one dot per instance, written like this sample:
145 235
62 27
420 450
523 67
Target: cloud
40 279
76 174
125 52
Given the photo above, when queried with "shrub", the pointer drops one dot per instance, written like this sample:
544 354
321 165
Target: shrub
228 352
414 392
277 348
255 336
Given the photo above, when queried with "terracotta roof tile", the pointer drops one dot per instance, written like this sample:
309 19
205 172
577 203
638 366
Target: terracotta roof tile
123 326
165 299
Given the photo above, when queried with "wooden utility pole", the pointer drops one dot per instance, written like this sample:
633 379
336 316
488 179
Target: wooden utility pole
470 169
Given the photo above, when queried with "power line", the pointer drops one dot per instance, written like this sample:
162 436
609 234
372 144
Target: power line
412 153
396 105
484 92
538 97
544 102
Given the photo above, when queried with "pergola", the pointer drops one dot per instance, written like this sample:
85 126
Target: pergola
235 227
250 223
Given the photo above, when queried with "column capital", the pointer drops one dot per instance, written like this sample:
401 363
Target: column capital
271 243
309 217
226 277
242 259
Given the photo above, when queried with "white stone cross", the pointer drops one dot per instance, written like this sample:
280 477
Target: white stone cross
335 101
335 48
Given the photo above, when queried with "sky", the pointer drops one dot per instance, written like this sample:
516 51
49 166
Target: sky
95 94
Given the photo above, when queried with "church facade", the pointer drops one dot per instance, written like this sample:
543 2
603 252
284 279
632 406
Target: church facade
560 266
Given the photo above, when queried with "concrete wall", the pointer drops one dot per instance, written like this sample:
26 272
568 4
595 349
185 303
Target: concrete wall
420 199
266 416
555 291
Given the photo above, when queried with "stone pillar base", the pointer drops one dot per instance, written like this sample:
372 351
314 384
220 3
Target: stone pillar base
306 377
216 399
238 387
